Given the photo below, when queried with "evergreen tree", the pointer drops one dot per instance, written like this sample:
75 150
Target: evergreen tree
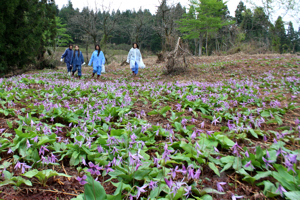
23 32
297 41
205 17
278 36
239 12
62 38
260 26
291 37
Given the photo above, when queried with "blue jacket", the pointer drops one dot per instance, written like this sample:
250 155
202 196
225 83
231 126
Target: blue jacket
97 60
77 60
67 55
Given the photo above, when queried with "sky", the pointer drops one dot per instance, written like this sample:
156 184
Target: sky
152 6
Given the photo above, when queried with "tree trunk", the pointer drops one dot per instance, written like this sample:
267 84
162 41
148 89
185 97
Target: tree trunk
195 41
200 45
206 44
87 51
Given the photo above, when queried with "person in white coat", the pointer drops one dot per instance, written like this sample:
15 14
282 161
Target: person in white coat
134 58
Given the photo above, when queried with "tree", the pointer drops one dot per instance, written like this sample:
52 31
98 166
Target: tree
66 12
62 38
278 35
291 37
239 12
204 17
289 8
25 29
107 22
87 22
165 25
297 41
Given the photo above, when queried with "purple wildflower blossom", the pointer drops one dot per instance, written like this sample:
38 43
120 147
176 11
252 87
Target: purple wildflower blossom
219 186
82 180
281 190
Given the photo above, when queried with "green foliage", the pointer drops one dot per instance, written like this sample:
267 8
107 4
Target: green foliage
204 17
62 38
279 36
44 175
22 32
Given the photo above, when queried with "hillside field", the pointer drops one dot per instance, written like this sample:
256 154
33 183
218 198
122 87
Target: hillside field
227 128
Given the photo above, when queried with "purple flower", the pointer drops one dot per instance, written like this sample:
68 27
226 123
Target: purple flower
100 149
178 107
28 144
177 185
292 158
281 190
215 120
141 190
289 165
183 170
280 151
197 174
43 149
156 162
248 164
131 197
202 124
193 136
115 150
108 169
198 149
152 185
188 190
173 172
94 169
233 197
209 133
219 186
247 154
216 150
35 139
137 166
169 182
190 173
2 130
235 149
297 121
23 166
184 121
268 162
83 161
53 158
82 180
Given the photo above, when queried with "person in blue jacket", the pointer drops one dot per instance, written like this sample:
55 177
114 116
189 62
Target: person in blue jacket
98 60
67 56
134 58
76 61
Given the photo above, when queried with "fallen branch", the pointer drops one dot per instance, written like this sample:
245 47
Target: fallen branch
62 164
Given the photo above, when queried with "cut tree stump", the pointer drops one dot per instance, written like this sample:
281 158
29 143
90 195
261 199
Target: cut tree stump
177 61
124 63
160 57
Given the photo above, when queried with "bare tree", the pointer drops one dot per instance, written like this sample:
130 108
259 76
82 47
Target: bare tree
166 17
107 22
87 21
137 27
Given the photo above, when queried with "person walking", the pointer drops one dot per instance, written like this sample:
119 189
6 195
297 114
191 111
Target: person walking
76 61
67 56
134 58
98 61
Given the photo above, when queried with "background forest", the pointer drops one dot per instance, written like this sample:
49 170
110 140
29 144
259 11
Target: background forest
29 28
